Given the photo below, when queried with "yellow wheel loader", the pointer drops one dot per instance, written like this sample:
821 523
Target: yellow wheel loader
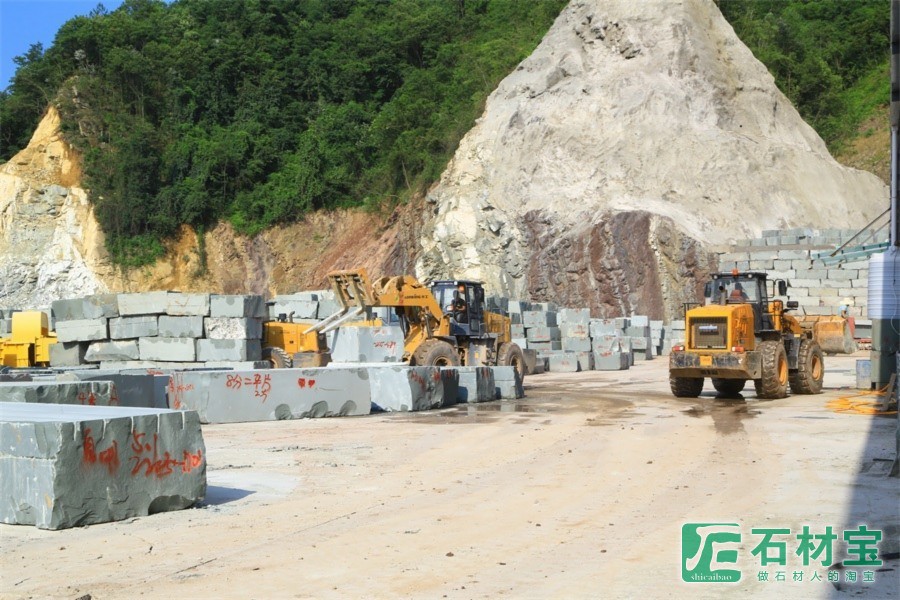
29 342
740 335
445 325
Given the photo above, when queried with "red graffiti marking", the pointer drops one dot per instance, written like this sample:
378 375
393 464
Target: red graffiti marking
89 399
108 457
175 392
303 382
262 384
146 457
389 345
113 397
90 452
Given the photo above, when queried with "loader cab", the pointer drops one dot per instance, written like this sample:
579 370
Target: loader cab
742 288
463 301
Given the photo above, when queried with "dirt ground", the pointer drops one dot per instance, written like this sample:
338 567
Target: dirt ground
580 490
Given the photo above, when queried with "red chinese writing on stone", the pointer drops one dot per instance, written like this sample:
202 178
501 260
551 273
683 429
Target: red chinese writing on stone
148 461
389 345
303 382
108 457
262 384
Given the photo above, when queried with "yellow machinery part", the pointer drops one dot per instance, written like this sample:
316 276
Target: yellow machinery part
29 326
30 341
832 333
737 317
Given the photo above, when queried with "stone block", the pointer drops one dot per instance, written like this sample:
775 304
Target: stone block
68 466
97 306
535 318
518 306
96 393
133 390
450 380
176 327
520 342
545 306
640 342
85 330
579 316
232 328
606 342
237 307
476 384
623 323
530 360
118 350
793 255
600 327
228 350
508 383
368 345
575 330
576 344
609 360
640 321
68 354
585 360
397 388
188 305
565 362
125 328
167 349
635 331
517 331
272 394
515 318
143 303
293 308
545 346
542 334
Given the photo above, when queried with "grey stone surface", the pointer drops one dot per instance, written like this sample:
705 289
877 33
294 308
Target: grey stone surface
241 307
399 388
542 334
97 306
517 331
126 328
545 346
67 354
530 360
271 395
232 328
476 384
180 326
585 360
580 316
95 393
143 303
116 350
640 321
507 383
188 305
600 327
609 360
133 390
301 308
368 345
228 350
66 466
565 362
450 381
84 330
575 330
576 344
167 349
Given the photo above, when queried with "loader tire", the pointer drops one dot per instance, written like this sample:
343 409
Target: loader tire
278 358
436 353
729 387
686 387
774 381
510 355
810 369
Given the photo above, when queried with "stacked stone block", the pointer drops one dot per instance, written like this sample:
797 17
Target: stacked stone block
164 329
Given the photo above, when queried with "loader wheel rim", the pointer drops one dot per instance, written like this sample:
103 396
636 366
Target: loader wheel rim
782 370
815 367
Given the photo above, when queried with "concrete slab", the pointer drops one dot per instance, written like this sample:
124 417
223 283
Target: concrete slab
272 395
188 305
180 326
507 383
89 393
117 350
368 345
84 330
403 388
68 466
232 328
228 350
167 349
143 303
67 354
476 384
126 328
240 307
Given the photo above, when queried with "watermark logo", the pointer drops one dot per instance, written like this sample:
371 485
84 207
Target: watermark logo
709 552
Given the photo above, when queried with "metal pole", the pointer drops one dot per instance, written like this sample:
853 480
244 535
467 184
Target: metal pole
895 117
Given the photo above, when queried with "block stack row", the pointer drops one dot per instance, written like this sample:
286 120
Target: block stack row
304 307
158 329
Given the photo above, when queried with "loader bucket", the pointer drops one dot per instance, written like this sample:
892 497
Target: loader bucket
833 335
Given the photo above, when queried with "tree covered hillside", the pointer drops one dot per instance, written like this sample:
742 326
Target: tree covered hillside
259 111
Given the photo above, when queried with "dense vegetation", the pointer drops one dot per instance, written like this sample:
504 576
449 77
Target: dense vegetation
259 111
830 57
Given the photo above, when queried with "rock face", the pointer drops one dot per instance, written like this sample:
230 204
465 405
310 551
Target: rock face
635 134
